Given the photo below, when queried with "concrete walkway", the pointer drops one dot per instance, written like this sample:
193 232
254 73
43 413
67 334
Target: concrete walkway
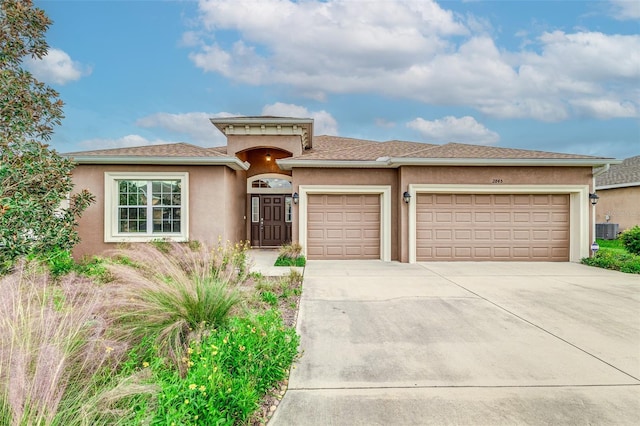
465 343
262 261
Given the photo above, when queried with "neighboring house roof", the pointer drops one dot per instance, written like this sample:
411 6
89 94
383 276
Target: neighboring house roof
621 175
334 151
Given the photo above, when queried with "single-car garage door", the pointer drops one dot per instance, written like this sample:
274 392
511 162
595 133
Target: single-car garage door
343 226
492 227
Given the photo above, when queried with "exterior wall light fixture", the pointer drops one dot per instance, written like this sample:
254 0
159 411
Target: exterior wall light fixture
268 156
406 197
295 198
594 199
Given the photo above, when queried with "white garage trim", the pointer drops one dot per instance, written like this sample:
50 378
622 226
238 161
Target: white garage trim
578 209
385 210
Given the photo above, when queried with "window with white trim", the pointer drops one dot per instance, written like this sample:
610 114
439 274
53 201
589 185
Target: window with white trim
288 208
146 206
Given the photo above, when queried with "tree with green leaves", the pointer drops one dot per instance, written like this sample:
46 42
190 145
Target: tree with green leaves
35 181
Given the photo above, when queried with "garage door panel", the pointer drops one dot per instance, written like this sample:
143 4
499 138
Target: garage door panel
345 226
492 227
521 235
482 217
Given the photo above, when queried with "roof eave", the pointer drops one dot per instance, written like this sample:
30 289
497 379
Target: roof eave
231 162
538 162
617 185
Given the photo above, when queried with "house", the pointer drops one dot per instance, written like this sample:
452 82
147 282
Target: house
619 191
342 198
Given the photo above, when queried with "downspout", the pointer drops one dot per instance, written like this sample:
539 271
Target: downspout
596 173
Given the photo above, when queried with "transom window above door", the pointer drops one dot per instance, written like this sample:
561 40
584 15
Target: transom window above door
269 183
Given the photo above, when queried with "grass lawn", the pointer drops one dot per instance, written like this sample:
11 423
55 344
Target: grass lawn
290 261
613 255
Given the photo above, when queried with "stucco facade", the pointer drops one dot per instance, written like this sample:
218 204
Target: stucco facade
216 204
619 205
259 187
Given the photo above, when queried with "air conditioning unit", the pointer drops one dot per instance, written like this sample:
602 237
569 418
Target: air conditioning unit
607 231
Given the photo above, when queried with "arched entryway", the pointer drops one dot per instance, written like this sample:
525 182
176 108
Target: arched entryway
271 209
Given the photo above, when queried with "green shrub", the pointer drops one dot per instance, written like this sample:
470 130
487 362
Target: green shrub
615 260
631 239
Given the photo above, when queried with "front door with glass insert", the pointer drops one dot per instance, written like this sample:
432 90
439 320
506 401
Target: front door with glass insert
270 219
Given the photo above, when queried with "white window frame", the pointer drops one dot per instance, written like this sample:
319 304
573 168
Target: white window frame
111 192
385 210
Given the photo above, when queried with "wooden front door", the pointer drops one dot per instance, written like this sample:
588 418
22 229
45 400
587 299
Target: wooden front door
270 220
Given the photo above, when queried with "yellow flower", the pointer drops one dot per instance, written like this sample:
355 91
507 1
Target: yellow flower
202 388
190 363
145 364
189 350
242 348
185 359
186 401
195 417
108 349
192 386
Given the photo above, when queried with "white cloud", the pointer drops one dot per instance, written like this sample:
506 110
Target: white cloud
323 124
123 142
451 129
194 125
56 67
604 108
626 9
417 50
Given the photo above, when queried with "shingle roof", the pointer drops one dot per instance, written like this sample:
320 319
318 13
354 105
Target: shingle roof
347 149
627 172
164 150
458 150
335 148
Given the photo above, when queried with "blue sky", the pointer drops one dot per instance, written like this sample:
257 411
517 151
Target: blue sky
558 76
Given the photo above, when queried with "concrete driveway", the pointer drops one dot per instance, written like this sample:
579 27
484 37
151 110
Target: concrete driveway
465 343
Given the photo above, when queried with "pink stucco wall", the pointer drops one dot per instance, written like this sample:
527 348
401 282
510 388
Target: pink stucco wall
216 203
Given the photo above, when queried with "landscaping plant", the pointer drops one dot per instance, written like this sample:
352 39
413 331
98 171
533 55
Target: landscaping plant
614 255
35 181
631 240
52 343
290 255
161 337
175 293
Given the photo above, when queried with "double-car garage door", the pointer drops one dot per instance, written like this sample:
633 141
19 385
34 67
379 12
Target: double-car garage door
492 227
